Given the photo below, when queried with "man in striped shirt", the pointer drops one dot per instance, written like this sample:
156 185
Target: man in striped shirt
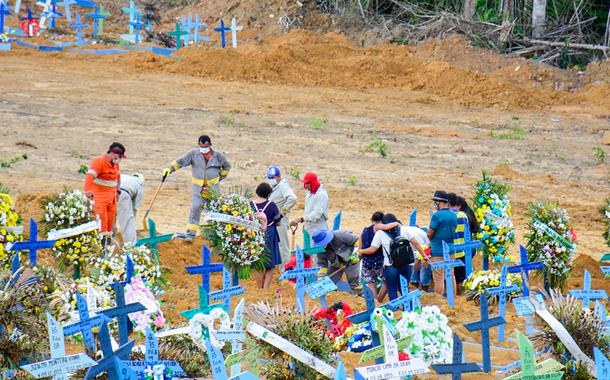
462 221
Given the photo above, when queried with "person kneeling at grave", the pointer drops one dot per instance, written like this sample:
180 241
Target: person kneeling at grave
399 244
341 254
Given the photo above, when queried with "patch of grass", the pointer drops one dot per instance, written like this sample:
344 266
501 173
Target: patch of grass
380 147
600 154
516 131
562 157
227 121
318 122
295 172
83 169
353 180
78 155
9 162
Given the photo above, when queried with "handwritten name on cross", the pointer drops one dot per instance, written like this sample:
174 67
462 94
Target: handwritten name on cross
33 244
222 30
602 364
524 268
300 273
502 291
85 323
447 266
151 360
111 362
528 362
586 294
318 290
60 365
457 367
122 311
227 291
205 268
484 325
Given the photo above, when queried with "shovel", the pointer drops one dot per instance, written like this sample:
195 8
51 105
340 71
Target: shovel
294 234
152 202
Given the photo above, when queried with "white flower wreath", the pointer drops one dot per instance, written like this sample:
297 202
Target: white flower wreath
200 320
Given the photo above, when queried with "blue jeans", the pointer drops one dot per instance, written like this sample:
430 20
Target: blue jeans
392 279
422 276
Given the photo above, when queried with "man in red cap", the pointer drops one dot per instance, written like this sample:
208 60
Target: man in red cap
315 213
102 185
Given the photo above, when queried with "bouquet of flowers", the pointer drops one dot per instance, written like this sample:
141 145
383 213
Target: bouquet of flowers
10 228
492 210
357 338
478 282
550 241
232 229
605 212
113 267
63 298
152 317
432 337
66 210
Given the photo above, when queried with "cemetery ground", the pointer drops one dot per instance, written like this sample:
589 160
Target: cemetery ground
442 125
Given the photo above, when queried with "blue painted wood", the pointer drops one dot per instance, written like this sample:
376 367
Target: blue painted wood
137 24
79 26
447 266
122 311
502 291
365 316
96 16
154 49
602 364
217 362
457 367
222 30
524 268
15 263
484 325
340 373
197 26
17 7
98 52
587 294
300 273
205 268
204 308
3 12
469 247
600 311
227 291
132 11
140 367
605 270
320 288
86 4
111 361
51 14
85 323
409 301
244 376
337 220
32 244
66 4
129 269
413 218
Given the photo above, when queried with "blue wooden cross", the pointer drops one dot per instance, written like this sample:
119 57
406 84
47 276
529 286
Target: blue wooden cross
606 270
300 273
600 311
96 16
151 359
524 268
3 12
469 247
17 7
153 240
60 365
197 24
447 266
484 325
501 291
66 4
205 268
523 307
409 301
586 294
217 362
131 11
137 24
122 311
413 218
227 291
318 290
112 360
340 374
79 29
15 264
337 220
457 367
178 33
33 244
602 364
52 15
204 308
85 323
222 30
365 316
129 269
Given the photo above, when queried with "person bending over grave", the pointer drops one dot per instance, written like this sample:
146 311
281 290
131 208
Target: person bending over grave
270 218
341 256
208 168
102 184
462 221
130 198
285 199
442 229
315 213
372 265
399 244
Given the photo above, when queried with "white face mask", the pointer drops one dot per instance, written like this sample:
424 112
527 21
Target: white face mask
204 150
116 161
272 182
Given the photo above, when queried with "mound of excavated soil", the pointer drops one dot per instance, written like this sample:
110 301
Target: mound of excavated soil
306 58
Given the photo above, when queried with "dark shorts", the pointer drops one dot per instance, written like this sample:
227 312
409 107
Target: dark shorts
460 272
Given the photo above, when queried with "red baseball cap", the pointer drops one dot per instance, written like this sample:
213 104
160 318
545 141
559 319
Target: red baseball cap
310 177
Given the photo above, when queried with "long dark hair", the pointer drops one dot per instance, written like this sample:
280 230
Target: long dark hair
472 220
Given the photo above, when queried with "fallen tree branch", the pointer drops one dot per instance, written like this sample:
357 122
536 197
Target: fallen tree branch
561 44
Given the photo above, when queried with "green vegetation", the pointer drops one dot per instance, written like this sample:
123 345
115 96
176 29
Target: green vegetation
353 180
516 131
294 172
600 154
379 146
318 122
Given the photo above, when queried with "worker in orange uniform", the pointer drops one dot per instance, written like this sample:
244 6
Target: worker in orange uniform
102 185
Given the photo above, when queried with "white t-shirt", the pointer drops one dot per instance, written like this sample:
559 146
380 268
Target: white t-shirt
382 239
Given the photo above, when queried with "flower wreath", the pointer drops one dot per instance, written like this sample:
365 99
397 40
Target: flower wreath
206 321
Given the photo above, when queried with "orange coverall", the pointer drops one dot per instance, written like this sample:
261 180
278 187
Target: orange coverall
103 180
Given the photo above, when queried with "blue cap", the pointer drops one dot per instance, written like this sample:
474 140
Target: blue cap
322 237
272 171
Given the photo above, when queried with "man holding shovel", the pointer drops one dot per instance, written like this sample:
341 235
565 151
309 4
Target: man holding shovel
208 168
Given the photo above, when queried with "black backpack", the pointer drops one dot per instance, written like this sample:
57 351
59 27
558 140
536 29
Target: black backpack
401 253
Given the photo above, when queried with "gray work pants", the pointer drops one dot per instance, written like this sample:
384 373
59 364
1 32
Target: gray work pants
126 217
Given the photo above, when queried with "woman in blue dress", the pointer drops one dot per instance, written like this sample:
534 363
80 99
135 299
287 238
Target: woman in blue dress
272 216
